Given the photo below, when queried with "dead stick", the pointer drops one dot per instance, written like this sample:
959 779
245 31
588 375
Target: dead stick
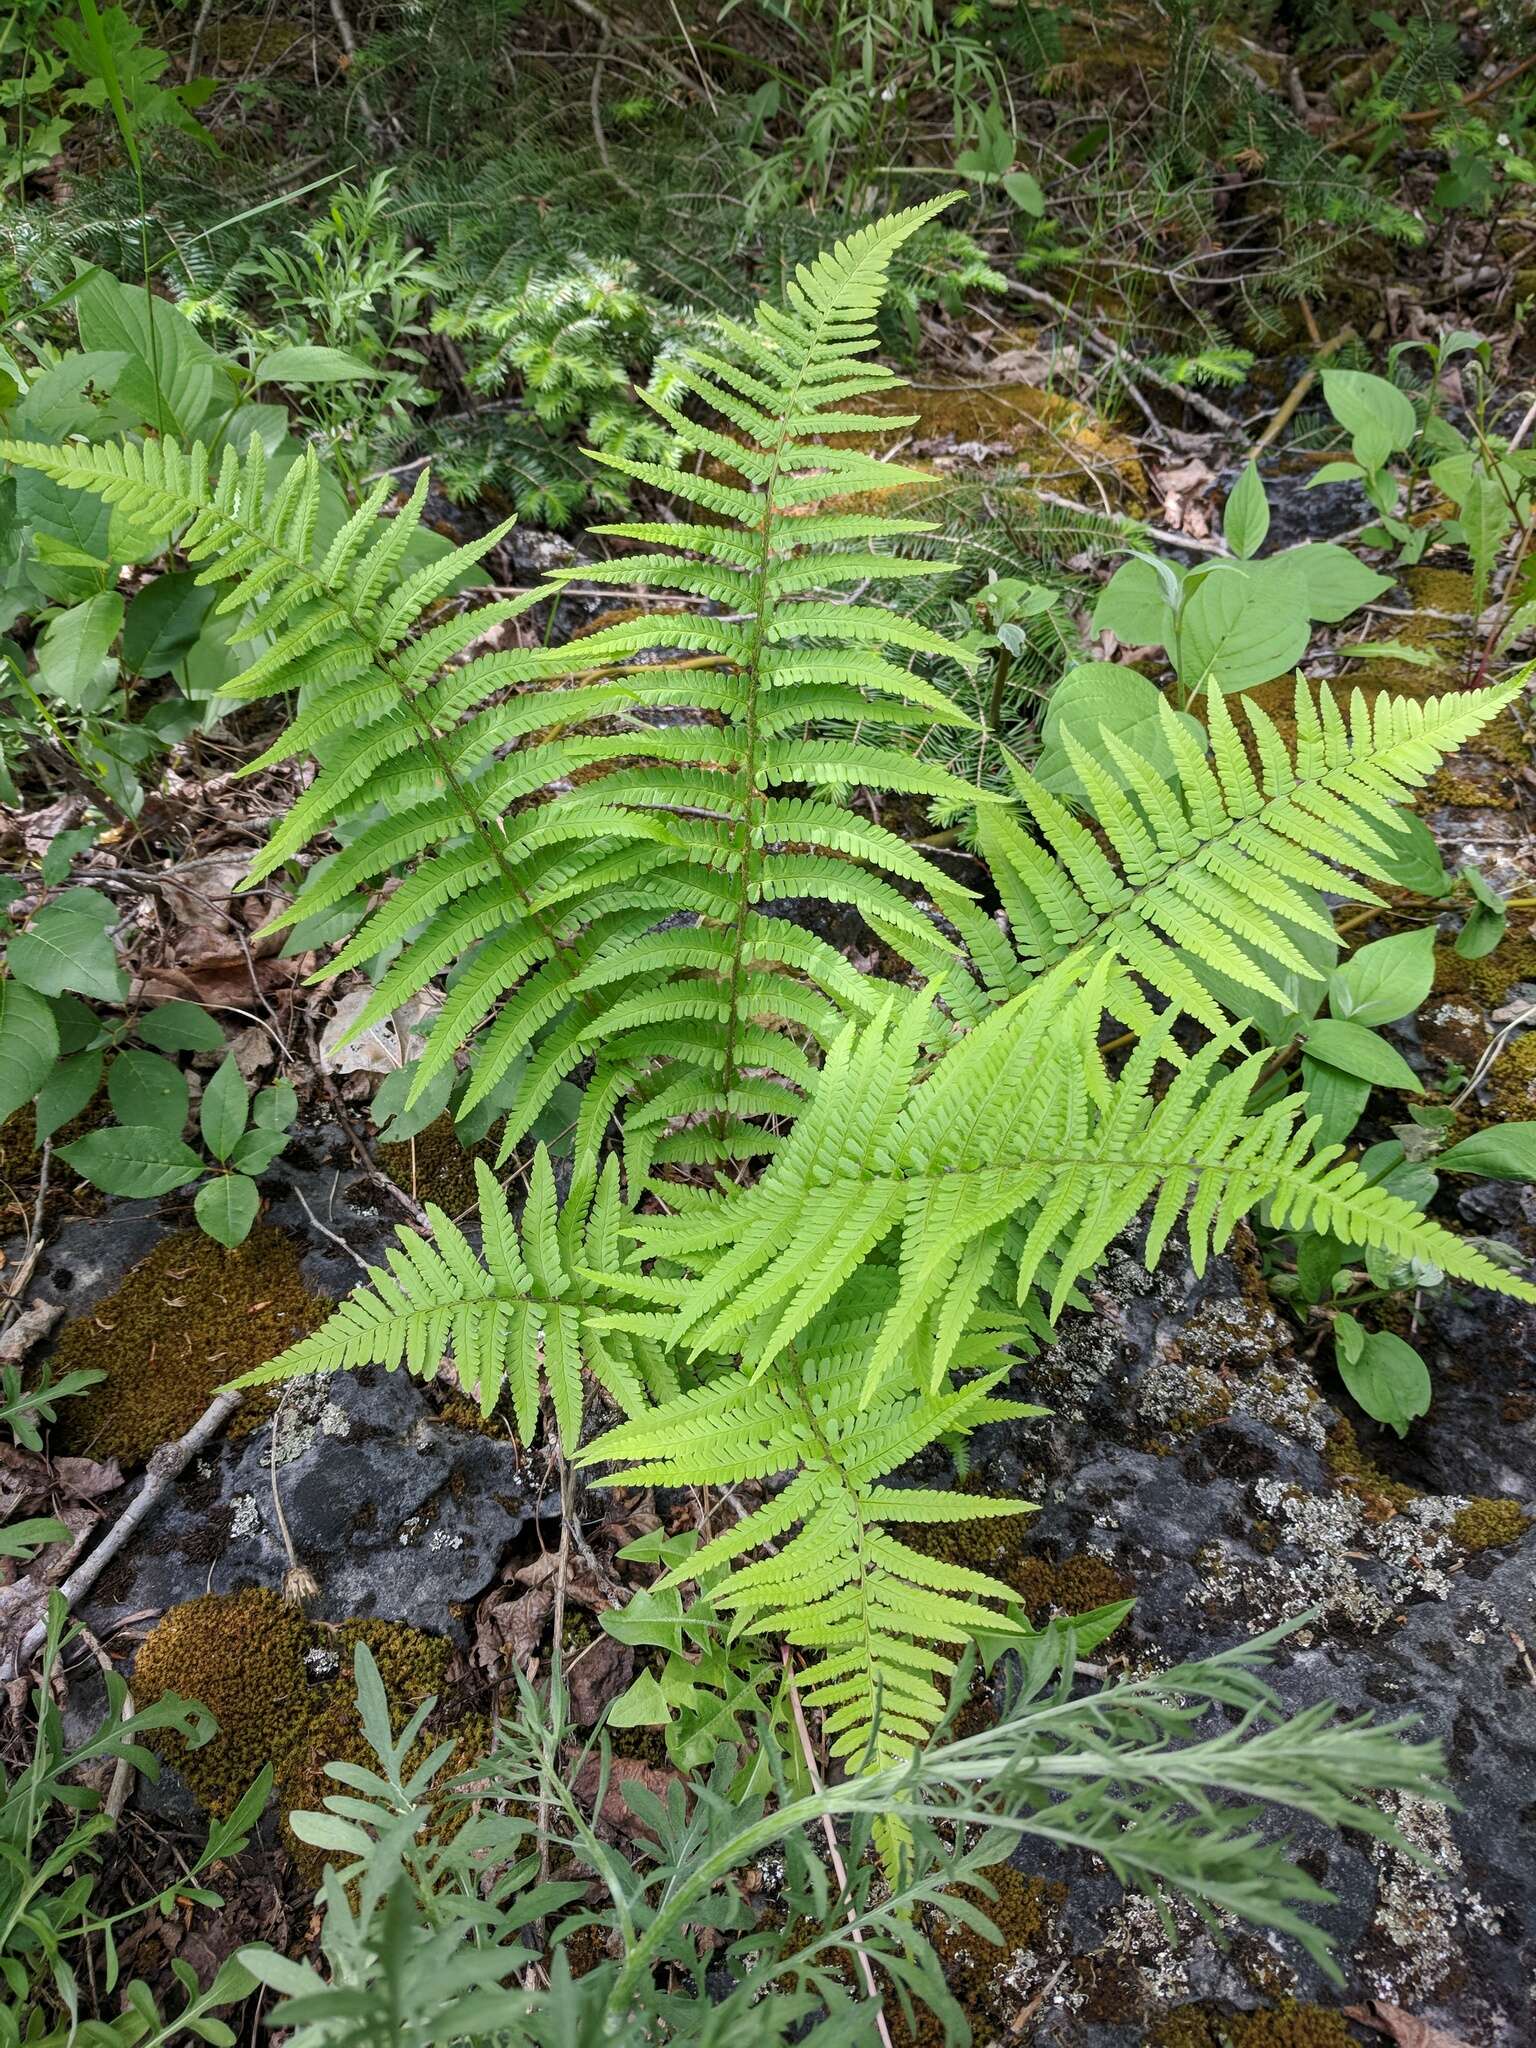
165 1465
1105 345
1298 392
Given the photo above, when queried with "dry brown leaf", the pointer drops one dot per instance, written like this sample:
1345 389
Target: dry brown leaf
1400 2026
597 1676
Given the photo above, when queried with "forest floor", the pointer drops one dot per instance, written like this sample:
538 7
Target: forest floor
1201 1455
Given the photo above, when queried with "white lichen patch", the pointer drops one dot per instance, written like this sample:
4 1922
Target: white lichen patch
1419 1907
244 1516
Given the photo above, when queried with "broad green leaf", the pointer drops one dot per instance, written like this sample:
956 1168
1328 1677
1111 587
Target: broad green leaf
222 1113
1354 1050
1486 520
1336 582
226 1207
74 656
1099 697
256 1149
1378 418
1245 520
644 1705
1414 862
133 1159
276 1107
173 380
1235 631
1025 193
394 1121
145 1089
1386 1376
29 1045
1385 980
66 946
82 522
1134 606
1335 1098
66 1091
1504 1152
180 1027
164 621
1486 921
311 364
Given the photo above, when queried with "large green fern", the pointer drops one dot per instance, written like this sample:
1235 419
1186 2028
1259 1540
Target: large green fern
602 863
608 860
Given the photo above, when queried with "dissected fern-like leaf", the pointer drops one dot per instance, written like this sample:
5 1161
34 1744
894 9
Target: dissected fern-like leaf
516 1317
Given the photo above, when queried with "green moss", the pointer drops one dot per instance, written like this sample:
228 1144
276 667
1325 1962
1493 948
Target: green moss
1465 792
280 1687
190 1317
1286 2025
1381 1497
1073 1585
1490 979
435 1167
1485 1523
1023 1912
1512 1082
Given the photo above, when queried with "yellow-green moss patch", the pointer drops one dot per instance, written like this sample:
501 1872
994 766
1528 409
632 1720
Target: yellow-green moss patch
1490 979
1286 2025
1485 1523
1381 1497
977 1972
191 1316
435 1167
280 1687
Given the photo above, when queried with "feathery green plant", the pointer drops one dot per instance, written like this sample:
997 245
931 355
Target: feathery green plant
684 804
605 885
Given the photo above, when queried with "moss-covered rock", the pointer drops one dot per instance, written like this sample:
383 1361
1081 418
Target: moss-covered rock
1286 2025
1485 1524
187 1319
986 1978
280 1687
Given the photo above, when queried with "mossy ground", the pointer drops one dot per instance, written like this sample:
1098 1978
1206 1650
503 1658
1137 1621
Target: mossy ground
187 1319
977 1971
281 1689
1286 2025
435 1167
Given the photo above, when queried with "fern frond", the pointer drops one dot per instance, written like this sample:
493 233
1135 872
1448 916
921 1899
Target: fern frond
515 1317
1212 863
531 803
883 1622
1013 1163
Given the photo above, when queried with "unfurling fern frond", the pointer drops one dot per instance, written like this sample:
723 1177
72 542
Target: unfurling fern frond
611 860
1213 863
517 1315
884 1621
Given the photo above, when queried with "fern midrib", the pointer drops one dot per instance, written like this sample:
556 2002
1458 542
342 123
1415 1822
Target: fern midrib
788 1376
765 603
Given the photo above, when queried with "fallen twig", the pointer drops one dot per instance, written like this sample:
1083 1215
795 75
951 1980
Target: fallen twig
165 1465
1105 345
1298 391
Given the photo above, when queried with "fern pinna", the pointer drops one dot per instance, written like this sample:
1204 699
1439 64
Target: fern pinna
601 864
